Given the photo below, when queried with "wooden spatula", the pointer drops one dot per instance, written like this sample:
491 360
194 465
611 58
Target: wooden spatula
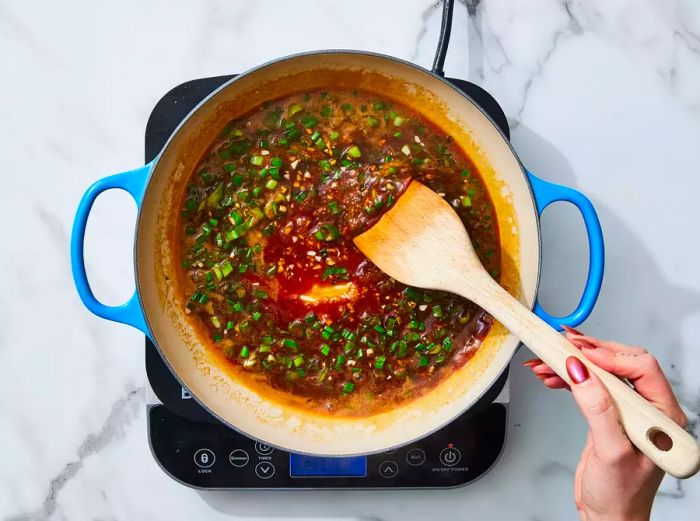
422 242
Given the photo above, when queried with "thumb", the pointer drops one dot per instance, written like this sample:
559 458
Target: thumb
609 441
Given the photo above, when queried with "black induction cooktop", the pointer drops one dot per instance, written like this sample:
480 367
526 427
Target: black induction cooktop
195 448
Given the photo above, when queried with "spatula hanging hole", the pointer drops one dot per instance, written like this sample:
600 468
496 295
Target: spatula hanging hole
660 439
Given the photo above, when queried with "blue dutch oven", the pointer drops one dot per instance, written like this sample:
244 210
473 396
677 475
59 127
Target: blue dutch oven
157 309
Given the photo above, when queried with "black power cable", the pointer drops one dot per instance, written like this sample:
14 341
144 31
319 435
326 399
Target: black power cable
444 41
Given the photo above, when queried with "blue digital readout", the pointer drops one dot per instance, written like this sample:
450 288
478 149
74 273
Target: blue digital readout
312 466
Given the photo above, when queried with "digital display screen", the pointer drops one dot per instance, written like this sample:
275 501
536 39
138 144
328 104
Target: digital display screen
313 467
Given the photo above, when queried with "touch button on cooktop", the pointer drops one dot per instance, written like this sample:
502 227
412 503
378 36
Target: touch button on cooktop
264 470
415 457
238 458
204 458
388 469
450 456
263 449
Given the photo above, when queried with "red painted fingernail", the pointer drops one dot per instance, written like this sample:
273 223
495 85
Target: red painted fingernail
582 343
532 362
572 330
576 370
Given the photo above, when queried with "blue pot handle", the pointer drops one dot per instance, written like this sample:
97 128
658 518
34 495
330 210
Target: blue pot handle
546 194
129 313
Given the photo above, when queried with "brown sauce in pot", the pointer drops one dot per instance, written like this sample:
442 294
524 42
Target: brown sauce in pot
272 277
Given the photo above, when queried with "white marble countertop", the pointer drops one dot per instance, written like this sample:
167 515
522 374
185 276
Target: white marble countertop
602 95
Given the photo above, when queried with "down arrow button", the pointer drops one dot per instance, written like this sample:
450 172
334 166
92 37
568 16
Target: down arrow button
264 470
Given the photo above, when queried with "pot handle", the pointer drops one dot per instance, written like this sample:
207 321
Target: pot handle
130 312
547 193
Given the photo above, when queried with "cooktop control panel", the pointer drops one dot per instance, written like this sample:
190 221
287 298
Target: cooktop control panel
210 455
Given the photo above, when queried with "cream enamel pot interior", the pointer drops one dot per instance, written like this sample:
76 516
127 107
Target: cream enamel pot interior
157 309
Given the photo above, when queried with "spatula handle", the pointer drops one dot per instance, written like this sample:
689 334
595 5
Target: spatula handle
640 419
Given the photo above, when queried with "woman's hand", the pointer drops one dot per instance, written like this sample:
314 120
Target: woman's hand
614 481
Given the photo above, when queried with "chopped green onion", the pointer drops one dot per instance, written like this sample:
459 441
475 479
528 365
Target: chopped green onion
466 201
437 311
256 315
325 349
354 152
288 342
293 109
309 121
322 375
256 160
271 184
327 232
412 294
334 208
299 361
416 325
334 270
245 352
327 332
270 210
433 348
348 387
423 361
403 349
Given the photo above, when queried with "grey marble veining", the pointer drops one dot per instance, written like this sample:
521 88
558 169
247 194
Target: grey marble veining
601 95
